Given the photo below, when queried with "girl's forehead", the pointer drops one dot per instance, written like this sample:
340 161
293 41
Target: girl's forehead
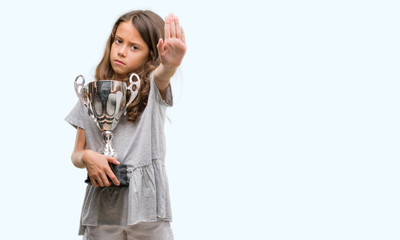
128 30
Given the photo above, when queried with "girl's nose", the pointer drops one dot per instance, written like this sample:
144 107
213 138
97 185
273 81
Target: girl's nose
122 51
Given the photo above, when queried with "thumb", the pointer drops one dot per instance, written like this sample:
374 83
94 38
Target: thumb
113 160
160 45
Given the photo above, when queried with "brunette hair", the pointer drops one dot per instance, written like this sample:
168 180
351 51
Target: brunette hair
151 28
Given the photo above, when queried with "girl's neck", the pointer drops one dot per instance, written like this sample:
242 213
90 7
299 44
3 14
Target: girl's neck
119 77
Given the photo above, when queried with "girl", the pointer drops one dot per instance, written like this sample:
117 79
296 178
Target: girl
142 43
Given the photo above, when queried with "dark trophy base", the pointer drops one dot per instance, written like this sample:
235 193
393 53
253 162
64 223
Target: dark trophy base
120 172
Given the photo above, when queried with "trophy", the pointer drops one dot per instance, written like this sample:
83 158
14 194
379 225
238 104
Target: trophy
106 102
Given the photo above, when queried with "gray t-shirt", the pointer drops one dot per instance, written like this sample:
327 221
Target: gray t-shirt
140 146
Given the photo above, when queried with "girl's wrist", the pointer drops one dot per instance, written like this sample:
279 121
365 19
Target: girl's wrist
79 158
84 156
164 73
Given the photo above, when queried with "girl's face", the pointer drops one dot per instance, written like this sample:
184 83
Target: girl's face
128 51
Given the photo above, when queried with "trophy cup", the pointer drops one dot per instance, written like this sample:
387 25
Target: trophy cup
106 102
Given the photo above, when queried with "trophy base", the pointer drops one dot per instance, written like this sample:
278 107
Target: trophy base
120 172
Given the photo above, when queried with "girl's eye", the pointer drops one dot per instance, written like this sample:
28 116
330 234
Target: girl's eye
118 41
134 48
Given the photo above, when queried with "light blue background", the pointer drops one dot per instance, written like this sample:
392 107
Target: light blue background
285 124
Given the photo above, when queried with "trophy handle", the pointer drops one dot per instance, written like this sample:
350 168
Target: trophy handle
81 90
133 93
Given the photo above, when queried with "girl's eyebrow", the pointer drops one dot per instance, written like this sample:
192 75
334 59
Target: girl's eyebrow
135 43
131 42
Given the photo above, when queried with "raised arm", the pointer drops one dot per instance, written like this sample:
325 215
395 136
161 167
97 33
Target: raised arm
171 52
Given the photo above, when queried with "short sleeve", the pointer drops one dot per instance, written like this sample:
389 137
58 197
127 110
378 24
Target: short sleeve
169 99
76 116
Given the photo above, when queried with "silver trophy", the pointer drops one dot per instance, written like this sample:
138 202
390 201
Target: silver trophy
106 102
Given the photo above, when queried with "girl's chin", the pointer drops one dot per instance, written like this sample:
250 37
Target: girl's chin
121 77
120 74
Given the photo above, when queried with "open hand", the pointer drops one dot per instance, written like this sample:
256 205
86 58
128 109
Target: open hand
173 48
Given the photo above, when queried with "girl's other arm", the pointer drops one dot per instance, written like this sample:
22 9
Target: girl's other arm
80 143
96 164
171 53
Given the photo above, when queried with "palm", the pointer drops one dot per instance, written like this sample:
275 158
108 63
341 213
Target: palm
173 48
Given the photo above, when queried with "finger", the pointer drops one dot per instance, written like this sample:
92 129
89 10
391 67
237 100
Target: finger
104 180
178 28
183 35
167 29
113 178
98 181
113 160
94 182
160 46
173 28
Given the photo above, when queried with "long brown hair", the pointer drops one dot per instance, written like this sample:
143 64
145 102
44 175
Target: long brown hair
151 28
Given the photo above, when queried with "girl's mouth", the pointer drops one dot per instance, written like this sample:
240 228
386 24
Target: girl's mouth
119 62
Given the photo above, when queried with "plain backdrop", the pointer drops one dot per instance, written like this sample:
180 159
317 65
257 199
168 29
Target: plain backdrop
285 124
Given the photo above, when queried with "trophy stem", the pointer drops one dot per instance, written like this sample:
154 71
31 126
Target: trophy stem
107 149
